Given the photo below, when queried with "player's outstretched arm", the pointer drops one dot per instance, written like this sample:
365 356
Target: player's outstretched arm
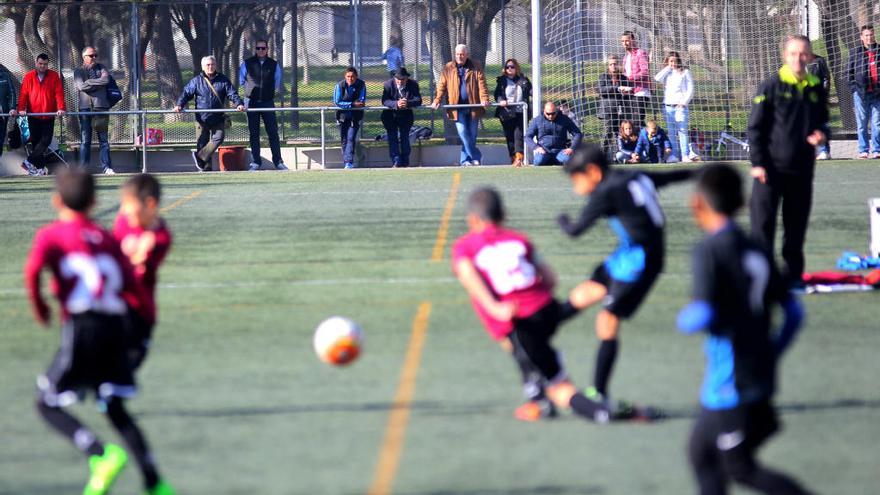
473 283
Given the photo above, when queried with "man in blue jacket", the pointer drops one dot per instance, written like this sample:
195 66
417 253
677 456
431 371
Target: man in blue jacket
349 95
210 89
863 74
400 95
550 130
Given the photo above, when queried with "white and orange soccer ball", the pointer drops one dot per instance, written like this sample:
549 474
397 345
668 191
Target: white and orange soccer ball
338 341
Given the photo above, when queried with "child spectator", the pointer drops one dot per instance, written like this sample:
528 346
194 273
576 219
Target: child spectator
653 145
626 144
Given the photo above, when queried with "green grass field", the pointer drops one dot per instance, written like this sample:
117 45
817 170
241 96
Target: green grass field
234 400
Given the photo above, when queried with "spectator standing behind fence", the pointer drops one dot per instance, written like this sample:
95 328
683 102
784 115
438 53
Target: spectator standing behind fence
627 140
90 82
7 102
393 56
638 70
863 74
513 87
615 95
260 76
653 145
400 94
210 89
463 82
677 96
789 119
349 95
550 131
41 92
819 68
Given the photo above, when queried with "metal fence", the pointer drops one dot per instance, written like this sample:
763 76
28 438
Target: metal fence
153 48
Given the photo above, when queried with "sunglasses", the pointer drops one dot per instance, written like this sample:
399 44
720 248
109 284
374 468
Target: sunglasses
261 48
510 67
91 55
549 114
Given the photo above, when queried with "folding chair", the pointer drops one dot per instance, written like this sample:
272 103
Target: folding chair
53 151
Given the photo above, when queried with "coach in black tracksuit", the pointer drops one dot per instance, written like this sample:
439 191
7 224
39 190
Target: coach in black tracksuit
789 119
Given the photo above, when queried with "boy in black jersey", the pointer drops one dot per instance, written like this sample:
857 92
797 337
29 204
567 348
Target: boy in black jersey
628 199
735 284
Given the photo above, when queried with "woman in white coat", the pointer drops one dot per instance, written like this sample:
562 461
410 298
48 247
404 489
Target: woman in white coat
679 91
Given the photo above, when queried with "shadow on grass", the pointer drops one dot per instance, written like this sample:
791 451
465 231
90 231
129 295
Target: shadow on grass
530 490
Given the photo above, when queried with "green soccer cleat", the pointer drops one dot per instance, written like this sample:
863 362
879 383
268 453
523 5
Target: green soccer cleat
104 469
161 488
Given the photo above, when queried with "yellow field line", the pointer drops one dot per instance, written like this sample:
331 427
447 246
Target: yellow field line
440 243
395 431
180 201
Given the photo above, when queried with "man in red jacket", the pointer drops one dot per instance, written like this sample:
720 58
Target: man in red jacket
41 92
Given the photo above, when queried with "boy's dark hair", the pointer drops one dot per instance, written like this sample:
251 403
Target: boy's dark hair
485 203
76 188
144 186
352 70
721 185
43 56
586 154
866 27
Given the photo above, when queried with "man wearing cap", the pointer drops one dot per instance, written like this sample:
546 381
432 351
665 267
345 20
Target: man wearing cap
400 95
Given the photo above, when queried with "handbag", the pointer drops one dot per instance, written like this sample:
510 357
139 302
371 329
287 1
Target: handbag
227 120
506 113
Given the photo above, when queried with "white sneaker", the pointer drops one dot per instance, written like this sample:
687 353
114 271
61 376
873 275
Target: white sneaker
863 156
672 159
875 156
109 171
29 168
43 171
281 166
823 156
693 157
466 163
253 167
475 163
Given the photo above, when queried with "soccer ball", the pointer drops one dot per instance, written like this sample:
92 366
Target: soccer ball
338 341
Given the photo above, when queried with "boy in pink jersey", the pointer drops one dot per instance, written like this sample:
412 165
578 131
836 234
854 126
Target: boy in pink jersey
89 277
145 240
511 290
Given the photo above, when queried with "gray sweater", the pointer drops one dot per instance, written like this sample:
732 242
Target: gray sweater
91 87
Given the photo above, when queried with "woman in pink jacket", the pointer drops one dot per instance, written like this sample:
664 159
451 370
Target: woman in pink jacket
637 69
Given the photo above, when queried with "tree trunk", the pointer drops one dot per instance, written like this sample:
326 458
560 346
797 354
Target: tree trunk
303 43
170 80
395 23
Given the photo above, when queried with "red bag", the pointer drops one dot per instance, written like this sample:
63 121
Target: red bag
154 137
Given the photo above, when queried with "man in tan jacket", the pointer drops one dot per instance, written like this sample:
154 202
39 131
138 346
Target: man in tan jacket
462 81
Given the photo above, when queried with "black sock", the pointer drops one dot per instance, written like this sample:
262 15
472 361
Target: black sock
532 381
70 427
604 364
129 431
589 409
566 311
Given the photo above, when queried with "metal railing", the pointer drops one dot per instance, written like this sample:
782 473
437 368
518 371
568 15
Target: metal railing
323 110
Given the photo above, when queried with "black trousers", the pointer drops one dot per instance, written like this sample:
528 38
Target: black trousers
4 121
795 191
513 133
41 137
612 129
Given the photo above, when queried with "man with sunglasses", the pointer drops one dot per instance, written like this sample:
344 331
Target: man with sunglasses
260 76
550 130
90 82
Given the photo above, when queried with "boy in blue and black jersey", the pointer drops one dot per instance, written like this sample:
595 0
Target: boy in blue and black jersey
735 286
628 199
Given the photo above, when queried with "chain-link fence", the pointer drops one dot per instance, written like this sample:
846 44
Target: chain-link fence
154 48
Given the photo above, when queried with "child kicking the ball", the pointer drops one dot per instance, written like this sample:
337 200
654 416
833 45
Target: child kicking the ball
628 199
735 286
90 275
511 291
145 240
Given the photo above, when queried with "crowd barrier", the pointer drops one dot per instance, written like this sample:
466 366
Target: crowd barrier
142 114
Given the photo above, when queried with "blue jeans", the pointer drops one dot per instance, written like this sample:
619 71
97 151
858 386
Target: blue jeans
348 132
677 123
550 158
85 147
466 126
867 108
398 142
253 119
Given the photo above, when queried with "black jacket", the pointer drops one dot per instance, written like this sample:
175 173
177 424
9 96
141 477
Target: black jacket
390 95
198 88
858 69
613 103
500 94
259 83
784 113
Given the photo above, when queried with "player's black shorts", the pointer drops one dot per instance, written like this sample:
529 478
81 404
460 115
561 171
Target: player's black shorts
624 298
727 439
140 332
92 357
532 335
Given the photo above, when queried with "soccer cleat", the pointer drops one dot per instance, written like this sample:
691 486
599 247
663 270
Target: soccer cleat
161 488
823 156
281 166
104 469
253 167
535 410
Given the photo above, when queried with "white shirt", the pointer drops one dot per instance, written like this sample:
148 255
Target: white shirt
513 93
679 86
